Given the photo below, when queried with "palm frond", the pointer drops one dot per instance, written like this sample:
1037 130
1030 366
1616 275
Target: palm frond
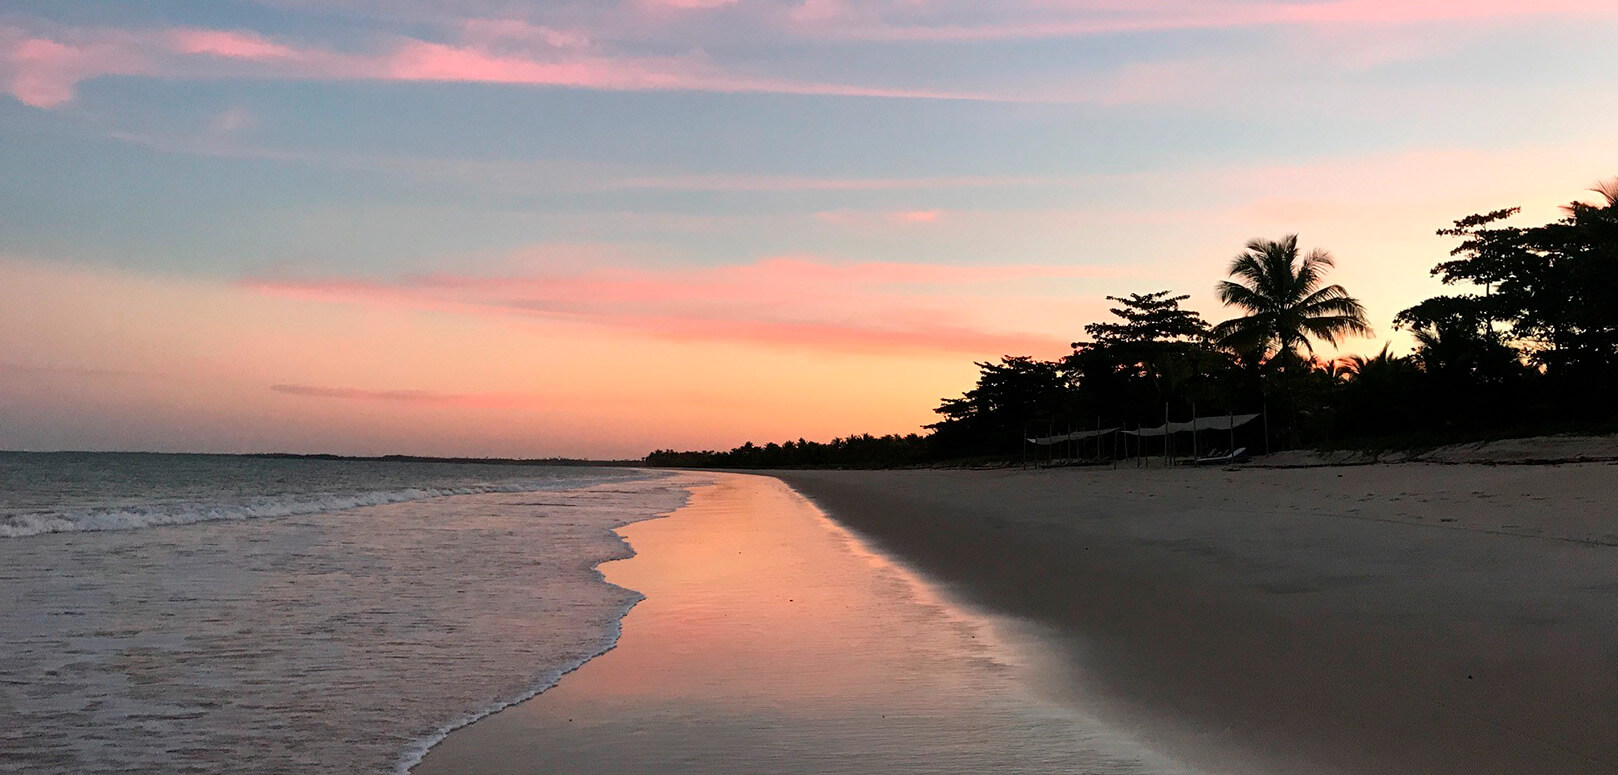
1311 270
1608 189
1286 304
1248 266
1328 293
1237 295
1243 335
1330 328
1341 306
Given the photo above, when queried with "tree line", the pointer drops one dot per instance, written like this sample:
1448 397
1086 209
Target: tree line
1526 342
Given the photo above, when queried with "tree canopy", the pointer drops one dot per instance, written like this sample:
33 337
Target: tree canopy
1528 339
1286 302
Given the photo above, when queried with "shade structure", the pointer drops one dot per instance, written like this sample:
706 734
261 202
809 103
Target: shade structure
1223 422
1074 436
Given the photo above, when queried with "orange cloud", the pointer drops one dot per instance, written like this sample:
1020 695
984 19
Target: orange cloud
795 302
388 379
471 400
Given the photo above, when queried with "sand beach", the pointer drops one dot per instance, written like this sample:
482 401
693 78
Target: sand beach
1413 618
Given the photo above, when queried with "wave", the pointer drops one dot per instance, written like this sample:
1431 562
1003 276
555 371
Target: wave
159 514
417 750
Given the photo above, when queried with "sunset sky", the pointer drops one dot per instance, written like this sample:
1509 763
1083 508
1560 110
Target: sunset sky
491 227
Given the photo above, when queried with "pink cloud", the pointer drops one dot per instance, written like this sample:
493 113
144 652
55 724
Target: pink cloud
43 71
878 220
959 21
692 5
232 45
915 216
40 63
845 337
420 61
44 74
783 301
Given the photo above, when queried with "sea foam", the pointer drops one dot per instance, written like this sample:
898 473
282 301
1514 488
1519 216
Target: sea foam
184 513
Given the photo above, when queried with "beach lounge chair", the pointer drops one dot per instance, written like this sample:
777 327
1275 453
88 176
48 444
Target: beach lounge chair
1236 455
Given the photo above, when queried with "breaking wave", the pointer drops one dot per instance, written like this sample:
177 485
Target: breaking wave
132 517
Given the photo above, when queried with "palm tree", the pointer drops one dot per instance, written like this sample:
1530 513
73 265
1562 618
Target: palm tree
1352 367
1285 302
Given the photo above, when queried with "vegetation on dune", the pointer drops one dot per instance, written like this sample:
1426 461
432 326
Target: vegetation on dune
1527 342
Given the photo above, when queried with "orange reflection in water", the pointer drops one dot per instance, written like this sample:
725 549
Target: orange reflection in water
772 641
752 593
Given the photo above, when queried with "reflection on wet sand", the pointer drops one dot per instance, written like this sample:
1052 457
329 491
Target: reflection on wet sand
772 640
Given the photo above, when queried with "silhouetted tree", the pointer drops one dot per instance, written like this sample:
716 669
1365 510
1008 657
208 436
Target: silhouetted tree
1154 353
1530 337
1010 396
1550 289
1379 395
1586 242
1285 302
1541 295
1456 341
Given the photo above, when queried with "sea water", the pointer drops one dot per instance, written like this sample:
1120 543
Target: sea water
220 614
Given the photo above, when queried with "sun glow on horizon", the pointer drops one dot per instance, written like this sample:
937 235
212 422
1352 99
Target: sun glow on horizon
505 229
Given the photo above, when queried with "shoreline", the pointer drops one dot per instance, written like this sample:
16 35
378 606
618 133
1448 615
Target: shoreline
771 638
419 749
1411 618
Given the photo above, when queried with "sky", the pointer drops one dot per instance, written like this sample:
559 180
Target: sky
594 229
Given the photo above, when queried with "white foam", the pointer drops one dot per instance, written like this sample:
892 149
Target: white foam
417 750
135 517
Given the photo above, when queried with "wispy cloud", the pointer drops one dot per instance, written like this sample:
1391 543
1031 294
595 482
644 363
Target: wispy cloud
231 45
683 45
961 21
427 397
879 218
43 67
799 302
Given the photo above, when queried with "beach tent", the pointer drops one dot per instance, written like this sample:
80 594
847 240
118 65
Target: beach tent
1224 423
1166 431
1074 436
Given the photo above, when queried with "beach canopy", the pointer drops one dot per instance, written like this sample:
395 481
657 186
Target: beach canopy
1220 423
1074 436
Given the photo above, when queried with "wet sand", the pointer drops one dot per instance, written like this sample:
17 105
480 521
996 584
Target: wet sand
772 640
1376 619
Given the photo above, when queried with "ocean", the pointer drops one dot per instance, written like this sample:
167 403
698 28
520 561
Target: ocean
223 614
